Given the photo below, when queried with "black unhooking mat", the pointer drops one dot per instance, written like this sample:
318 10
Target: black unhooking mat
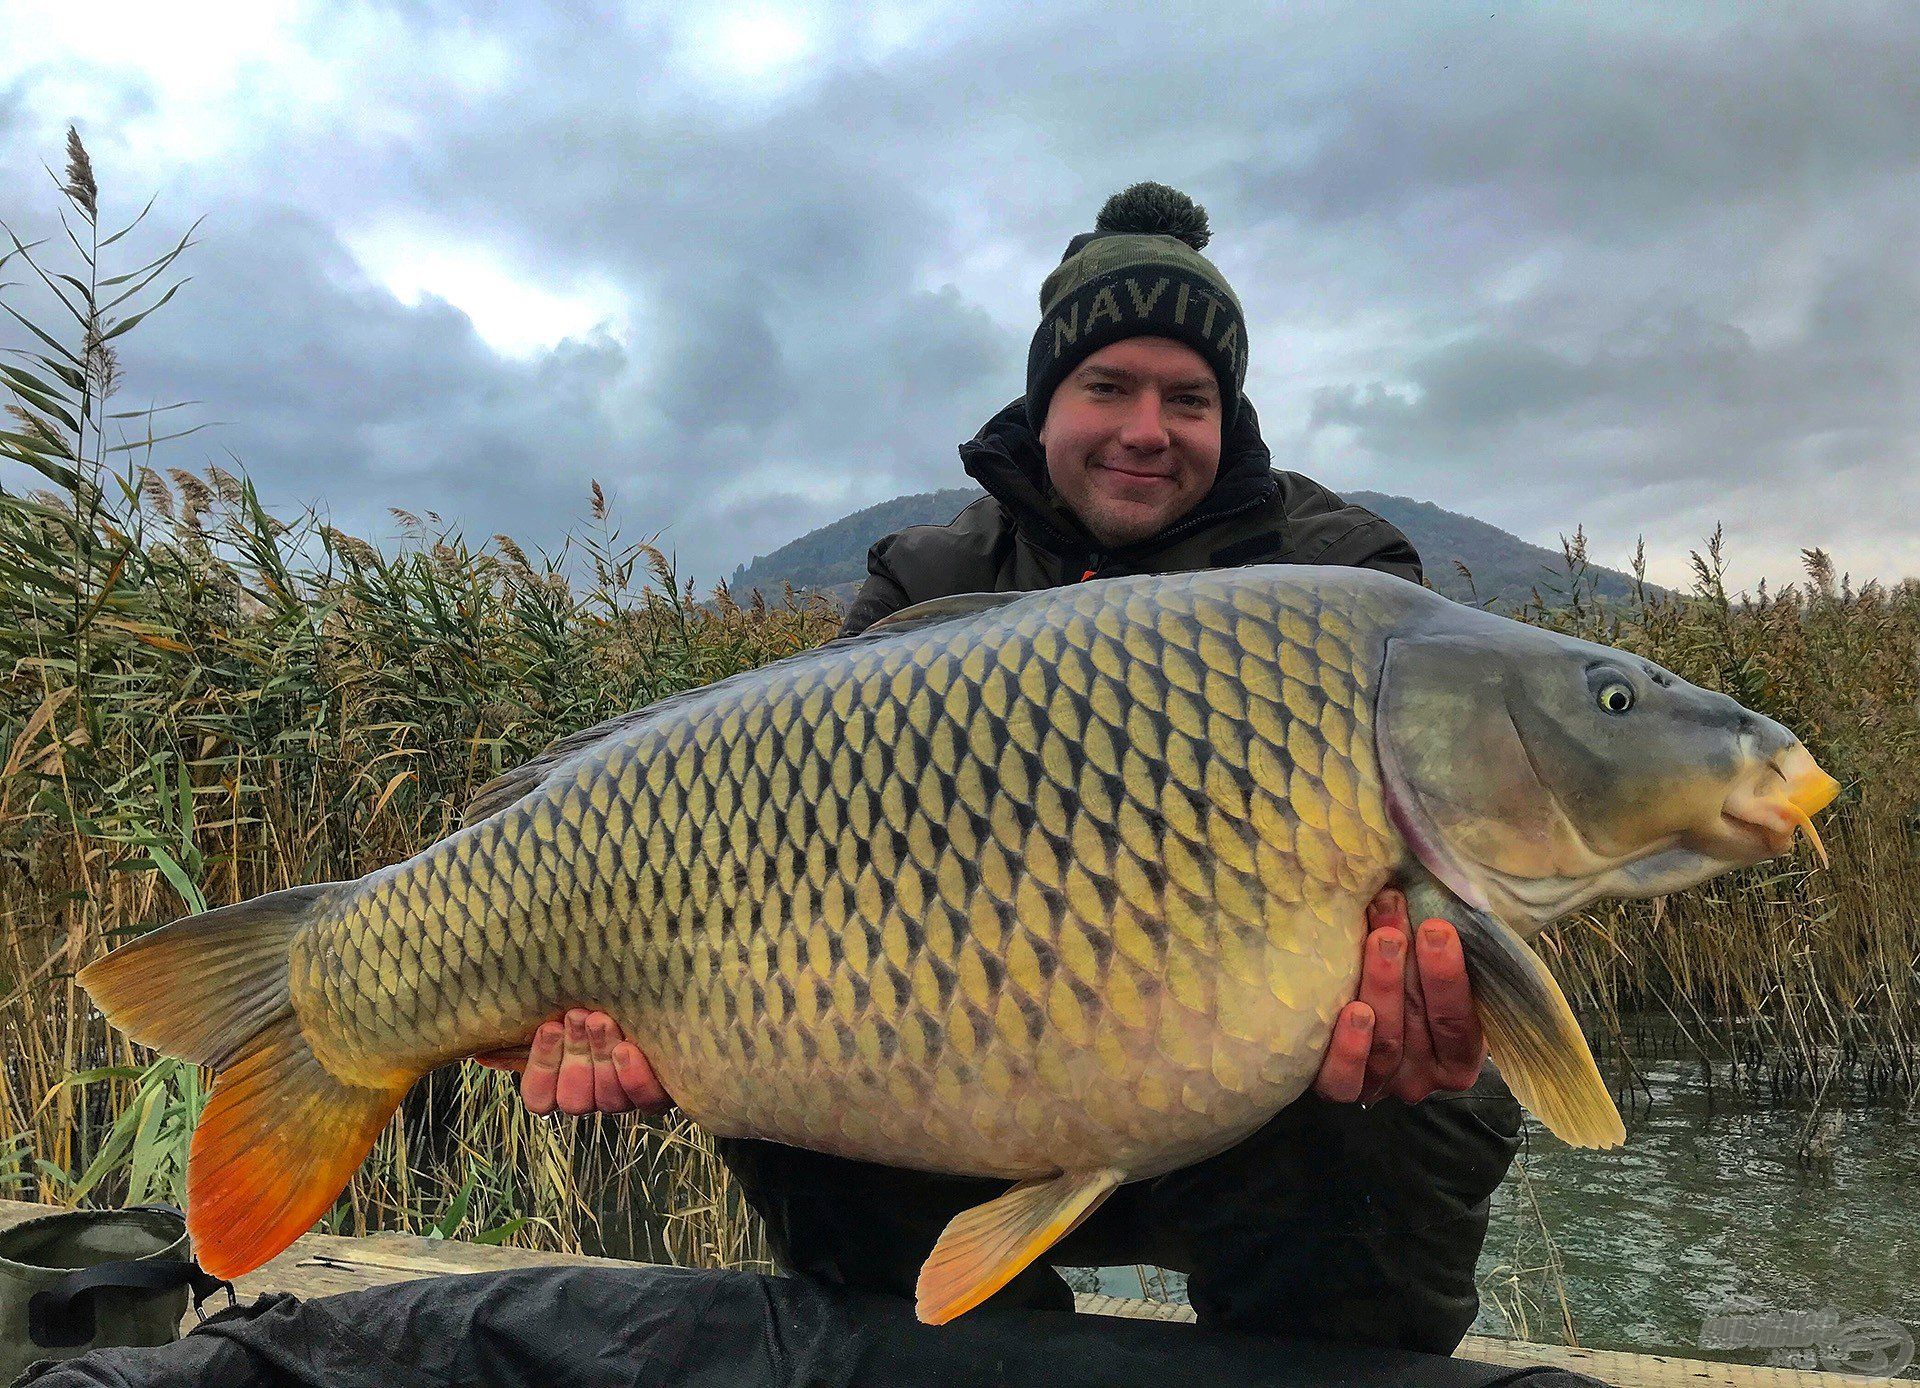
585 1326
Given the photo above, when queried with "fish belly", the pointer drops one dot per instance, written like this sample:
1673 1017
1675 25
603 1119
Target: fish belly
1017 1082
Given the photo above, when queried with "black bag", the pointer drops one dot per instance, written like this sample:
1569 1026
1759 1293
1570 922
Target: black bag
653 1327
75 1281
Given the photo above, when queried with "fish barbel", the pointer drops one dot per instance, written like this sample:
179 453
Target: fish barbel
1064 887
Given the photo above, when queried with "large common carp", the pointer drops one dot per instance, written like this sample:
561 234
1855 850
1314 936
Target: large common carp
1066 887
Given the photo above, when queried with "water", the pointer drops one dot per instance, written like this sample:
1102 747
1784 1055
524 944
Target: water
1710 1210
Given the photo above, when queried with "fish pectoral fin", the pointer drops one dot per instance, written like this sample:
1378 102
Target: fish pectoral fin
515 1058
985 1248
1530 1029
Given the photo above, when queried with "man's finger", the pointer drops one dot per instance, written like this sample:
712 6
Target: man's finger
636 1076
1345 1068
1384 989
574 1089
1387 910
1459 1046
541 1080
1413 1081
609 1096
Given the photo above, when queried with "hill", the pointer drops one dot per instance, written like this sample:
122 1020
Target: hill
1505 568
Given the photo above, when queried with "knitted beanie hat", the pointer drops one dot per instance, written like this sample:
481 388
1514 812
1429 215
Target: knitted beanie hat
1138 273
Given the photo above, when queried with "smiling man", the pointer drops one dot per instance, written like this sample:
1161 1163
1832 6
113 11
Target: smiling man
1134 451
1135 443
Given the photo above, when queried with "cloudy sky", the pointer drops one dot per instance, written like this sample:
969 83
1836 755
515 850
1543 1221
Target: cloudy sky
754 266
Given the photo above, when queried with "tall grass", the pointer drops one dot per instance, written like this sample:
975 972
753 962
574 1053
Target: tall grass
200 701
1798 977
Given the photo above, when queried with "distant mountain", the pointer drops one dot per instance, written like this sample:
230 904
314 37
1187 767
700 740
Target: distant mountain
1505 568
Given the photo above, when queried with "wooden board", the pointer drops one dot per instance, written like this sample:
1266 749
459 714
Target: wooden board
324 1265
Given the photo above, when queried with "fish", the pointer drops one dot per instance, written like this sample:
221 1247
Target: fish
1065 888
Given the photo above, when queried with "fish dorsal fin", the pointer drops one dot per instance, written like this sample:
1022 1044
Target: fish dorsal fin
985 1248
936 610
509 786
1530 1029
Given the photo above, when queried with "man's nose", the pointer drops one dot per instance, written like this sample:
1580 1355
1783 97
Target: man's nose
1145 427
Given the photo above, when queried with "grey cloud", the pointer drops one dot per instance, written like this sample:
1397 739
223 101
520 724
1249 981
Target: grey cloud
1557 117
1553 266
1674 422
329 389
724 366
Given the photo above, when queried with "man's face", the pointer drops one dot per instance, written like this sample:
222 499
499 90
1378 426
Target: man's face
1133 438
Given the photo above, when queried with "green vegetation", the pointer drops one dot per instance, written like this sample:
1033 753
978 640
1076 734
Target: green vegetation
200 702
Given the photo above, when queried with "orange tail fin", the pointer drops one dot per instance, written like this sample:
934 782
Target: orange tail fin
281 1136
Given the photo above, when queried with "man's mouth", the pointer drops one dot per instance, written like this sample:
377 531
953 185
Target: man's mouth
1139 473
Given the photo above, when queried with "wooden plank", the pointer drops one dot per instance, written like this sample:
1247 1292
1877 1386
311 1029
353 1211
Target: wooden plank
1620 1367
326 1264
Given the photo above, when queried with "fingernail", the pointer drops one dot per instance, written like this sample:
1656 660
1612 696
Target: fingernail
1390 947
1433 935
1359 1021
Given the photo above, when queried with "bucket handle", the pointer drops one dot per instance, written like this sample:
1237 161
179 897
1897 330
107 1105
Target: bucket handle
62 1316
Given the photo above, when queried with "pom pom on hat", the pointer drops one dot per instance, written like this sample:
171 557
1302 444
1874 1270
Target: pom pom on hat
1155 209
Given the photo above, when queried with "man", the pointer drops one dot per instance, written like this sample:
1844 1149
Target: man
1134 451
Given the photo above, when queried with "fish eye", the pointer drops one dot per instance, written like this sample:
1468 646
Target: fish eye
1612 688
1615 696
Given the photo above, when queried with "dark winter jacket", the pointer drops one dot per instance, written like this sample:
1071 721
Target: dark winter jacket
1021 537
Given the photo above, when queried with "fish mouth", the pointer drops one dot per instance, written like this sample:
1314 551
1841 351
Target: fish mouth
1780 804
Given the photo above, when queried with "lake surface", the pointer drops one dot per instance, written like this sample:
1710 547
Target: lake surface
1710 1218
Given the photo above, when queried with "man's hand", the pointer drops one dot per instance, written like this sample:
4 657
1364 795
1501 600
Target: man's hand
1413 1029
582 1064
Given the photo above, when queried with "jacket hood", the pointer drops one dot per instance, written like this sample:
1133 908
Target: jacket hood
1006 459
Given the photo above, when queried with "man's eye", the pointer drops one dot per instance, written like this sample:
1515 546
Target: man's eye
1101 385
1199 402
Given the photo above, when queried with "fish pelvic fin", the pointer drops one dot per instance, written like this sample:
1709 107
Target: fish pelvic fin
1530 1028
986 1247
281 1136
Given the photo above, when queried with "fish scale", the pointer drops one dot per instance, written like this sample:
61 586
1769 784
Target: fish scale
1071 879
